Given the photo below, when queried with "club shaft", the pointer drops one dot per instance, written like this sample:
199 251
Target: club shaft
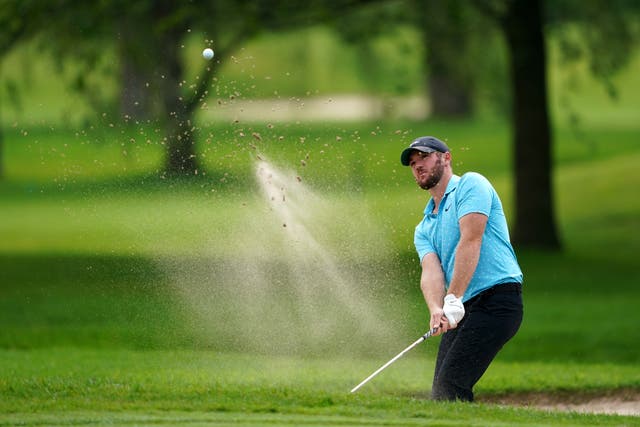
398 356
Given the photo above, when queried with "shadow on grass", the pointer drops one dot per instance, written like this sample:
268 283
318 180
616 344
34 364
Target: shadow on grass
144 184
83 300
128 301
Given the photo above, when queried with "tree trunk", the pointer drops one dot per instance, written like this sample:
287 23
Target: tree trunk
448 99
534 224
446 40
180 157
180 143
136 98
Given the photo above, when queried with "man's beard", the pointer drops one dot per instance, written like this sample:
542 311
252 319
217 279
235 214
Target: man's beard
434 177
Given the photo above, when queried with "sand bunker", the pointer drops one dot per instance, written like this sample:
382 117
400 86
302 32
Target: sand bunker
621 402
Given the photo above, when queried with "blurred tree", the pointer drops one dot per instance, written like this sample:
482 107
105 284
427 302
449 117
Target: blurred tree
1 147
65 22
13 25
455 39
447 34
151 35
535 221
523 24
363 26
601 31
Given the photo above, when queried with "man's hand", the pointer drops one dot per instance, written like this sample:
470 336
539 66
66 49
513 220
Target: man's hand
439 320
453 309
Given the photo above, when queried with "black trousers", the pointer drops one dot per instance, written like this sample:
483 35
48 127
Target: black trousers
491 319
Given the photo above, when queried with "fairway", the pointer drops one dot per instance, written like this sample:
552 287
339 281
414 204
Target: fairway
87 386
123 418
143 301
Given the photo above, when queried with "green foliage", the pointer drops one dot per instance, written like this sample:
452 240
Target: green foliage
606 33
283 65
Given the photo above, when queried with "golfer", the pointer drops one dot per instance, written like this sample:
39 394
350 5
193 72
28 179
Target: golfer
471 280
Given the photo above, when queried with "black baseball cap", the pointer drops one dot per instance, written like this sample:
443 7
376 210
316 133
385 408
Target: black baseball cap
426 144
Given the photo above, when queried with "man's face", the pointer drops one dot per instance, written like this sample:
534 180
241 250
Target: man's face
427 168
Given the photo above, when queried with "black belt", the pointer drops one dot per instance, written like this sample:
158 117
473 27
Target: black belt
497 289
503 288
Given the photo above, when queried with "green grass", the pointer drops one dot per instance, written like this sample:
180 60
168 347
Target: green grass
95 245
124 386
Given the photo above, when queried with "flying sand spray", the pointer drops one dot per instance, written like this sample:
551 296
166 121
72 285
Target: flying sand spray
322 284
286 281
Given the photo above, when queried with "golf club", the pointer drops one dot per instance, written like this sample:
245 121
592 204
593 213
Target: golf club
383 367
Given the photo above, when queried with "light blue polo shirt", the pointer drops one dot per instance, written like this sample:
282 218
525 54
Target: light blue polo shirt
440 233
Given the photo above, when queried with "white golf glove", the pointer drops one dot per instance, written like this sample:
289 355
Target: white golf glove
453 309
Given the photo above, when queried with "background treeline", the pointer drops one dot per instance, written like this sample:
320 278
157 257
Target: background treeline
140 62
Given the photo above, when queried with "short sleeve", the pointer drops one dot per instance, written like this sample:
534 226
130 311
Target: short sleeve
473 195
422 242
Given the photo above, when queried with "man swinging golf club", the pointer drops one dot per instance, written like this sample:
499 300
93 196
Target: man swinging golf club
471 280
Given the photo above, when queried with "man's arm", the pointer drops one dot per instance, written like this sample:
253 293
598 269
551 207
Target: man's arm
432 286
467 255
468 252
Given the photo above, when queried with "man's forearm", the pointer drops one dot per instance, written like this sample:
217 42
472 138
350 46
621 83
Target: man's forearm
433 292
432 282
467 256
472 228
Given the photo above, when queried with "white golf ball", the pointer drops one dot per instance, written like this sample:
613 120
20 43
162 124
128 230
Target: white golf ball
207 54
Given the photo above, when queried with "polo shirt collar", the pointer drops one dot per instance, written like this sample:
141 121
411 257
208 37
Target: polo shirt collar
452 185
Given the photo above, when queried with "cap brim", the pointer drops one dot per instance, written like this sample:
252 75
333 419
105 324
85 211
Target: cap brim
406 154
